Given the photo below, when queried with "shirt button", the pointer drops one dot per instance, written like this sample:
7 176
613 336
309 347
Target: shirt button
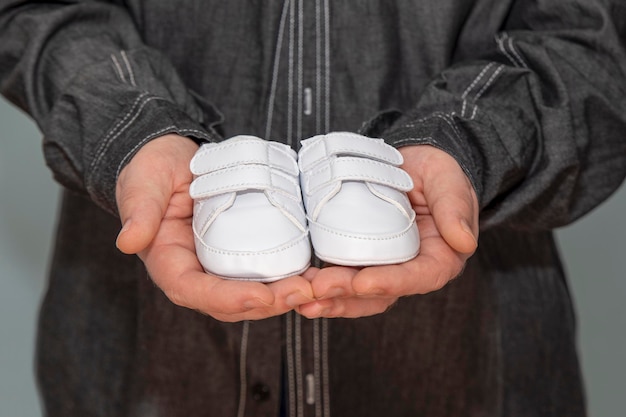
260 392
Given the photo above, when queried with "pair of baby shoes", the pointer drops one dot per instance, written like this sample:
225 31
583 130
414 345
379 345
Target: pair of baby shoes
257 203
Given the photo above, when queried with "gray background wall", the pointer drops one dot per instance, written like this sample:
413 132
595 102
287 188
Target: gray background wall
593 249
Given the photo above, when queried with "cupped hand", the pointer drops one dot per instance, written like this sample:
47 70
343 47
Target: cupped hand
447 219
156 212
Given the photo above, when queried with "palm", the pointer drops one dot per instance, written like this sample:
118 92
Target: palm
175 230
441 196
153 191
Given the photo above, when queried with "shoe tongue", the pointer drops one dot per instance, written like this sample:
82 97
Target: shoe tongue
357 210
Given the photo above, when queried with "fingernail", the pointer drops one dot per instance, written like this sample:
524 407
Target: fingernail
254 303
124 228
333 292
466 227
324 312
296 299
372 292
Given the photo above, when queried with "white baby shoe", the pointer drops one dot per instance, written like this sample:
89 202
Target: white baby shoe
249 221
355 198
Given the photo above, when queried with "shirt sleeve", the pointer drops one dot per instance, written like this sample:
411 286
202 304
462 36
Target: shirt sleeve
537 119
97 92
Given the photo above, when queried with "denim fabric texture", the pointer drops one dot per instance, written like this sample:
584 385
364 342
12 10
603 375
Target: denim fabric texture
528 96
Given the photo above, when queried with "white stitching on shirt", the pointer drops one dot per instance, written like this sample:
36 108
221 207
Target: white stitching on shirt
318 73
317 367
472 85
129 68
500 41
290 75
327 65
242 369
516 53
516 59
277 53
141 142
488 83
110 137
299 375
290 373
474 112
443 116
476 80
118 68
135 103
450 121
153 135
485 87
325 370
300 72
413 140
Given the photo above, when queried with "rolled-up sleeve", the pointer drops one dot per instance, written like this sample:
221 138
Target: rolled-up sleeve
97 92
538 118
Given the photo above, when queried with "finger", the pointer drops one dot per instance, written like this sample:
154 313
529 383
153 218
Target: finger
175 269
145 186
141 203
173 265
310 273
288 292
452 202
350 307
430 271
445 189
334 281
452 208
291 292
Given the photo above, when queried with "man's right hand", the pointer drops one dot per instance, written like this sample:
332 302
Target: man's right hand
156 212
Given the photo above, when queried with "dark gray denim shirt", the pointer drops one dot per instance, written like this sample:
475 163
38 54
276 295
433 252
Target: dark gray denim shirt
527 95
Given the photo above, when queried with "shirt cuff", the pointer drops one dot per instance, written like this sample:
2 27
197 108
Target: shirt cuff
147 118
443 132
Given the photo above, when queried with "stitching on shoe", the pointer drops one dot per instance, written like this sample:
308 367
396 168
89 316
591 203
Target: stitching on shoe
321 142
263 279
365 176
212 215
222 146
296 242
287 212
350 262
380 193
317 225
249 186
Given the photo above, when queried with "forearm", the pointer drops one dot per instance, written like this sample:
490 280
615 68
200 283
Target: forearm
96 91
536 120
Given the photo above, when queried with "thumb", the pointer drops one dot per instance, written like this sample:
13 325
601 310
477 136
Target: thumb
146 185
142 203
454 207
447 192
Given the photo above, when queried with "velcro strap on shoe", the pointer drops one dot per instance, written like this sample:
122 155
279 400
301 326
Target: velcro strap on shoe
356 169
345 143
243 150
246 177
